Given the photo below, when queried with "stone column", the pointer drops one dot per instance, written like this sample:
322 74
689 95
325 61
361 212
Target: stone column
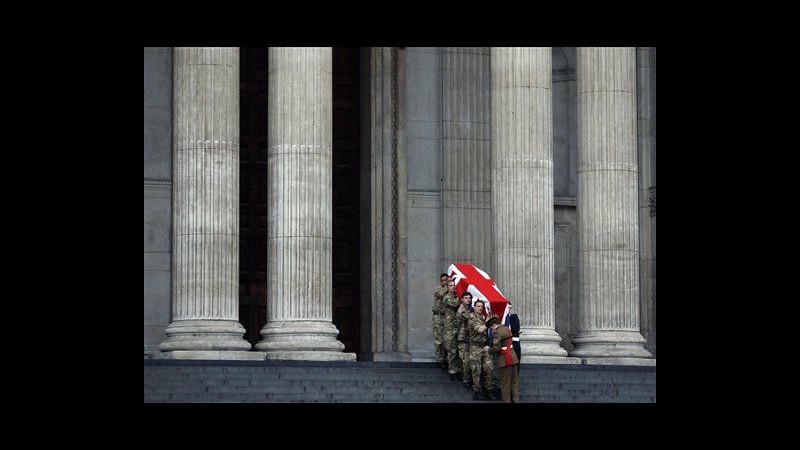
299 231
205 276
522 194
608 225
466 154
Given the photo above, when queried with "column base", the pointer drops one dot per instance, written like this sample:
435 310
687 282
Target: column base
620 361
308 340
310 356
527 359
211 336
540 342
609 344
214 355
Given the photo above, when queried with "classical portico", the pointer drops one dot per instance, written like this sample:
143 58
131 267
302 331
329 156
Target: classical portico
531 163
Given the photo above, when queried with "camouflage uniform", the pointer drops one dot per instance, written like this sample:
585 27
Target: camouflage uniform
438 324
462 315
482 364
450 302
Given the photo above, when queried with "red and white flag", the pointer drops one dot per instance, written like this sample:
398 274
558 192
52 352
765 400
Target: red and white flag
469 278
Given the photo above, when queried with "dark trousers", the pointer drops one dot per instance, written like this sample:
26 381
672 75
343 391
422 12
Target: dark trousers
509 383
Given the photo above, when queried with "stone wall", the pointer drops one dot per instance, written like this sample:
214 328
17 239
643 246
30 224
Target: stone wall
425 227
157 194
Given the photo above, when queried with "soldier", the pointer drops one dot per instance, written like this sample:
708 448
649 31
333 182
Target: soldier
492 384
462 315
450 303
506 359
480 362
438 324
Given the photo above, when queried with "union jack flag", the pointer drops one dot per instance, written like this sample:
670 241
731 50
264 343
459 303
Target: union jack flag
469 278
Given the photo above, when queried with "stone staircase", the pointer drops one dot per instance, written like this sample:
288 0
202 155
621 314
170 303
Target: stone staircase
380 382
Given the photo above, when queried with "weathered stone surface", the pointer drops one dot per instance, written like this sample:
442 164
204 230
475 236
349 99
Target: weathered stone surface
608 222
205 237
522 192
299 230
157 194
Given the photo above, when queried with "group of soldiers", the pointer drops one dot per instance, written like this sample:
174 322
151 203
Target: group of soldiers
461 340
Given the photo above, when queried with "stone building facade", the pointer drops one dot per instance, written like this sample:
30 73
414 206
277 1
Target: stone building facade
300 203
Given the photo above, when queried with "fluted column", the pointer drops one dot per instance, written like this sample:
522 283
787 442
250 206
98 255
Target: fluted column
522 193
205 207
299 231
607 205
467 185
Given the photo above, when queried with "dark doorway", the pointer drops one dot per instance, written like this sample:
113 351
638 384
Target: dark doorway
346 232
253 191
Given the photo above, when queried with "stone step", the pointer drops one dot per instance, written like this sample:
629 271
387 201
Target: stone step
348 382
